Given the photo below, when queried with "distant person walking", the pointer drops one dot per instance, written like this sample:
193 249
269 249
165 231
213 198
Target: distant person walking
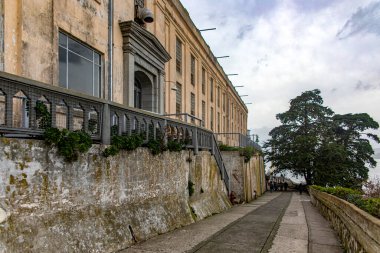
271 186
300 188
286 186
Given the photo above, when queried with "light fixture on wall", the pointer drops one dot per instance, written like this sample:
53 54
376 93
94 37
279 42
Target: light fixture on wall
142 14
224 56
207 29
174 87
232 74
238 86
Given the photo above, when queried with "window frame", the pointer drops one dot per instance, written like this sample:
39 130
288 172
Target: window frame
178 55
192 69
92 61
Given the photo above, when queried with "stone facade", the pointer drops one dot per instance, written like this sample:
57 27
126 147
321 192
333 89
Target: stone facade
99 204
358 231
31 43
247 180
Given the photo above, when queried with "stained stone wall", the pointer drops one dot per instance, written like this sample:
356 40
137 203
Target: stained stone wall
247 180
98 204
358 230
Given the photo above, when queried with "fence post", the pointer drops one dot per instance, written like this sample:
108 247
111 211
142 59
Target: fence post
165 134
212 144
195 140
106 125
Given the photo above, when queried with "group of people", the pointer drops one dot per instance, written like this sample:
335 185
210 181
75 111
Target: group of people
275 186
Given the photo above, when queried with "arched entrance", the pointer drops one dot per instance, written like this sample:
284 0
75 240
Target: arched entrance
143 92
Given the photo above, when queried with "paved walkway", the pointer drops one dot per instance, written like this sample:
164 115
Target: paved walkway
276 222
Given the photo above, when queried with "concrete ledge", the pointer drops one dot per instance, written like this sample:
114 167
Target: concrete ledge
358 230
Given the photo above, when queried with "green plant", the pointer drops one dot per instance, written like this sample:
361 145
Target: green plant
247 152
43 116
69 144
370 205
224 147
175 146
114 130
123 143
92 126
190 187
156 146
111 151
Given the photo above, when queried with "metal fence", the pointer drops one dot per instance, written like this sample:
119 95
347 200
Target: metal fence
236 140
19 117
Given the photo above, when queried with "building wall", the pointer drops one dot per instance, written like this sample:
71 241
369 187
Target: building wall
31 50
99 204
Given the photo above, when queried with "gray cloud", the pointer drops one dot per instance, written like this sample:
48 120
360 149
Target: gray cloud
364 20
243 31
366 86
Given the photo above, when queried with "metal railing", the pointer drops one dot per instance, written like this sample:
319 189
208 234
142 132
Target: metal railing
186 117
236 140
75 111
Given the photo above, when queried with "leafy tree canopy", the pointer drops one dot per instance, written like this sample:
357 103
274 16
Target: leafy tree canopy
324 147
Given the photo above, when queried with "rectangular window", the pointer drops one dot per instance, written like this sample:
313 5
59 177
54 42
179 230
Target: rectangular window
178 99
192 105
224 102
218 122
212 90
192 70
218 99
80 67
203 81
203 113
178 59
212 119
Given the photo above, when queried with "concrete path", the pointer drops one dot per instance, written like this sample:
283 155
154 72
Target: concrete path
188 238
276 222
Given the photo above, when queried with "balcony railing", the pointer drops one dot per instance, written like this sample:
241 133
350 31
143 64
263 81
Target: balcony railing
19 117
236 140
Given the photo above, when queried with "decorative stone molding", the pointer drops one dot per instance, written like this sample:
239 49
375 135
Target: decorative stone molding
358 230
142 51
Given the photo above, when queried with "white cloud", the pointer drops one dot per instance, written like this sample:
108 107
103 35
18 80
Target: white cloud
281 48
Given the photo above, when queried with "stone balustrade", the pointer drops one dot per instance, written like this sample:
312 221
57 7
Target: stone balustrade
358 230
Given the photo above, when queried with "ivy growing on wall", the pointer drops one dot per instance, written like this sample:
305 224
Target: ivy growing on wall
69 143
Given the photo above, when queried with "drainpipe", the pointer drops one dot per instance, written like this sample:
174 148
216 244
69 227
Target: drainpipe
110 49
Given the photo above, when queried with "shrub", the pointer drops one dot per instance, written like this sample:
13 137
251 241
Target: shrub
69 144
123 143
224 147
247 152
370 205
156 146
43 115
175 146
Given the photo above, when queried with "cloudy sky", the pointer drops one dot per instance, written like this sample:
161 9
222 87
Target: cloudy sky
281 48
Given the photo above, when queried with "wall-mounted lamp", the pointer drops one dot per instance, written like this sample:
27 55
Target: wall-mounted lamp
225 56
238 86
175 85
248 103
232 74
142 14
207 29
243 96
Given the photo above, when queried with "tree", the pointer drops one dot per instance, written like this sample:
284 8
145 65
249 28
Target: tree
326 149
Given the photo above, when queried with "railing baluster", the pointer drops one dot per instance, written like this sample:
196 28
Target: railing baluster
9 109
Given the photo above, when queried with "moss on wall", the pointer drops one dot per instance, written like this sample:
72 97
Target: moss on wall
53 204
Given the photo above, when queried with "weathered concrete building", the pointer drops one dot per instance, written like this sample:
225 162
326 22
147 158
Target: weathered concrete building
94 64
95 47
